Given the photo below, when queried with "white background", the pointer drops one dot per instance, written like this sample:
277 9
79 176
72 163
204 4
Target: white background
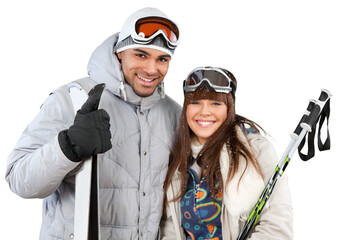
281 52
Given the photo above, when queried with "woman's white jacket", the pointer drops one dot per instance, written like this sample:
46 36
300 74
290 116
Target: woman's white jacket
276 219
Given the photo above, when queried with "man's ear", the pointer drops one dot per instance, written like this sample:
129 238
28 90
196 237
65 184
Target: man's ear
119 54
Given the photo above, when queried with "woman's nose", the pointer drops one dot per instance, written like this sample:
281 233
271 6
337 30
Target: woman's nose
205 110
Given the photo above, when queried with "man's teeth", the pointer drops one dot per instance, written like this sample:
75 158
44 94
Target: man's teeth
145 79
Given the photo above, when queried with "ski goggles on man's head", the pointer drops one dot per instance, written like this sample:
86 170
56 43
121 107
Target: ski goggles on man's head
213 78
146 29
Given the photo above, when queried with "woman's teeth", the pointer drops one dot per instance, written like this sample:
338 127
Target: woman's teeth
205 123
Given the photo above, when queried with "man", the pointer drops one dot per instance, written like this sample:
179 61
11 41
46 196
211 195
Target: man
132 133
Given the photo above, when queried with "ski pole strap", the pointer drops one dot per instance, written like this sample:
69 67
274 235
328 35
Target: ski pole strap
325 115
310 145
317 111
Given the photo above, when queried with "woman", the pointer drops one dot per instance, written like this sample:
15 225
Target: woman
218 168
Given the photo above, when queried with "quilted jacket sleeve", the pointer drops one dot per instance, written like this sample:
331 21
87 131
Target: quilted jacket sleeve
37 166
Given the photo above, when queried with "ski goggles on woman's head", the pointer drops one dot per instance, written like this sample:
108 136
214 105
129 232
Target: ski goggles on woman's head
213 78
146 29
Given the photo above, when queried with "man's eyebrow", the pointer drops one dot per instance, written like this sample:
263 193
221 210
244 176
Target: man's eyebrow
141 51
148 54
165 56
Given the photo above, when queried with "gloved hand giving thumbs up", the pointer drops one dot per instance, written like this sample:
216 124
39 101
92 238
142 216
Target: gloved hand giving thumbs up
90 133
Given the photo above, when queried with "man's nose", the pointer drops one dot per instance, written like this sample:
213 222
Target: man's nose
151 67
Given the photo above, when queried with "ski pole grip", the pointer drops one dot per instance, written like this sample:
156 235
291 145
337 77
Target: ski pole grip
298 129
316 110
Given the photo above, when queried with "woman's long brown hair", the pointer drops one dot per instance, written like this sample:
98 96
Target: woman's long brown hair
209 156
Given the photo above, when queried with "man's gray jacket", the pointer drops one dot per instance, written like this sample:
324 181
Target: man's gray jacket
132 173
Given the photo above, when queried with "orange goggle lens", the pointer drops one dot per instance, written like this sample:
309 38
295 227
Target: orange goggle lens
146 27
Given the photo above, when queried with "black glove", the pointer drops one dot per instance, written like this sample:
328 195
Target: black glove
89 135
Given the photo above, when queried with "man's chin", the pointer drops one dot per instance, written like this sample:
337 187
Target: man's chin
144 93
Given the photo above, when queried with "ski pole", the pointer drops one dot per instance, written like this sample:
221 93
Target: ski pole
310 118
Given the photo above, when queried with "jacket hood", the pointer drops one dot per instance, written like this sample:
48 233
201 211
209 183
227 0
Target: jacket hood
104 67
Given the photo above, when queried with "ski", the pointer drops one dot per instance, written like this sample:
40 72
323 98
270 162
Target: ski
86 209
